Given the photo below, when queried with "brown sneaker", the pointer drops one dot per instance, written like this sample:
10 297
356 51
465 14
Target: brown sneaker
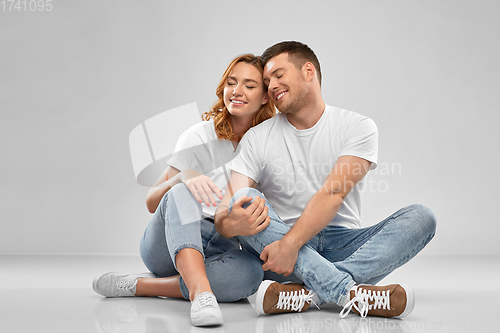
273 297
392 301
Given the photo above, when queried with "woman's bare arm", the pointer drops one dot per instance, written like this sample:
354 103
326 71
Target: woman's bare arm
170 177
201 186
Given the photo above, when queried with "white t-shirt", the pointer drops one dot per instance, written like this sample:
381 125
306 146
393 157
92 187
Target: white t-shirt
199 149
291 165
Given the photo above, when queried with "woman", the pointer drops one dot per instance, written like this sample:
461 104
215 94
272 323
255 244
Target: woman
186 255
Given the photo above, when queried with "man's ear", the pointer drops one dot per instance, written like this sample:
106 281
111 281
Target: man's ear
309 71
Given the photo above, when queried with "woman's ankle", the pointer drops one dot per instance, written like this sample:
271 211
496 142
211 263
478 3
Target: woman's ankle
199 290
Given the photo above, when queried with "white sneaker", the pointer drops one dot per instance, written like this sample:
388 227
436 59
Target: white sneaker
205 311
117 284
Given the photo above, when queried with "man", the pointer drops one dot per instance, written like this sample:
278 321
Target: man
309 161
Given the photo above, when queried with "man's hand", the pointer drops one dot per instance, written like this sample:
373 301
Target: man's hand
280 257
246 221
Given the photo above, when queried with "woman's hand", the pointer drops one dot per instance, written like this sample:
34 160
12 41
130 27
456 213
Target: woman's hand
201 186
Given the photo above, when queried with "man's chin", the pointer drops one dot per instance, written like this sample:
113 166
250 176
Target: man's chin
283 108
286 110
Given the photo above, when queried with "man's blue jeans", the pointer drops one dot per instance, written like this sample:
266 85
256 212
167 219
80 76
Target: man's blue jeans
337 258
178 224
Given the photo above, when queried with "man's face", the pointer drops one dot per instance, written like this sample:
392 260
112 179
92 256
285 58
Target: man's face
287 86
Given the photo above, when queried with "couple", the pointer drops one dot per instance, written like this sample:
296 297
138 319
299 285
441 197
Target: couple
292 203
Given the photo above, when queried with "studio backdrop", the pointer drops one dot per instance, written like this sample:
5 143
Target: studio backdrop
77 79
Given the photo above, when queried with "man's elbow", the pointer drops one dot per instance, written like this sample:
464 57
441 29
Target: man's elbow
336 189
334 195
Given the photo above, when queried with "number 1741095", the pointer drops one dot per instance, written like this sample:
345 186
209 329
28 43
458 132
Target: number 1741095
26 5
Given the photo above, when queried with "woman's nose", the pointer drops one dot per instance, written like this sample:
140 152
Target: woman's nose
237 90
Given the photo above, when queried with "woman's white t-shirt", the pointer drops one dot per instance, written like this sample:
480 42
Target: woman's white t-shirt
199 149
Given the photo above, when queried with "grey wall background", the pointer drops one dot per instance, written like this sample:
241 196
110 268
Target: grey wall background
76 80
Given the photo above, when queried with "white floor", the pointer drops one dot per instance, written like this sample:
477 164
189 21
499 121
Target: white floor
54 294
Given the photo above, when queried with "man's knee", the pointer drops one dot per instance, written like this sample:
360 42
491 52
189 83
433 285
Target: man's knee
425 219
246 191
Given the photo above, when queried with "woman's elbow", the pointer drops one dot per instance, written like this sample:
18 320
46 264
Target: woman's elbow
150 205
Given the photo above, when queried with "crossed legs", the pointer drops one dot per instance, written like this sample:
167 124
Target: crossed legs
338 258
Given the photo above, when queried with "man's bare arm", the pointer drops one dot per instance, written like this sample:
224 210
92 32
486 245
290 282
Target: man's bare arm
324 205
319 211
241 221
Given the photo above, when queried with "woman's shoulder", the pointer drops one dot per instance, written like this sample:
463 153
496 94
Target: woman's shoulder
204 129
199 133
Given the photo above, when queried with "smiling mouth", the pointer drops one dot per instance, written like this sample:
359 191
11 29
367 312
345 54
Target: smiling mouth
280 95
234 101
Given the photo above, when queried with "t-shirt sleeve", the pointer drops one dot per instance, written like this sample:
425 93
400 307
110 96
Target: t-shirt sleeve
187 150
361 140
247 160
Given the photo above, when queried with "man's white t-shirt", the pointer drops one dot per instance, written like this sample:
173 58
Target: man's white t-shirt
291 165
199 149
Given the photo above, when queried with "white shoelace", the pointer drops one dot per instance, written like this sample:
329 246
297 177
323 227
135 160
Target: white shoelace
382 300
206 300
124 287
294 300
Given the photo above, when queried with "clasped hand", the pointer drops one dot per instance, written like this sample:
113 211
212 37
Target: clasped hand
279 257
247 221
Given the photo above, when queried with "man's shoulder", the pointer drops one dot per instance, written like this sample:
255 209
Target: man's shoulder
267 125
346 118
339 113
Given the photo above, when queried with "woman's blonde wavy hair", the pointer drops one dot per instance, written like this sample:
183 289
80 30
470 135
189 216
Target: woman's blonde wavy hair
219 112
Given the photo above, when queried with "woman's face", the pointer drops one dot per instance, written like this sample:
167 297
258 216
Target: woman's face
244 91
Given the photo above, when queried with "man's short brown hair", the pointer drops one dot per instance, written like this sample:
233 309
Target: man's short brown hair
298 54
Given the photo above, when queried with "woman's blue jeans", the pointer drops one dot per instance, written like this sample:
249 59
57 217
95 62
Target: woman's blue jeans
178 224
337 257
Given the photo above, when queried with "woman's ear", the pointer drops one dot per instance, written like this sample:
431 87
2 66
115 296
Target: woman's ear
265 99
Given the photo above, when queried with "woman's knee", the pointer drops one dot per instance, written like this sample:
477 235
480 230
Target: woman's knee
178 191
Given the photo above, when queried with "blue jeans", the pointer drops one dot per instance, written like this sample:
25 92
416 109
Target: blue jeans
233 273
337 258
